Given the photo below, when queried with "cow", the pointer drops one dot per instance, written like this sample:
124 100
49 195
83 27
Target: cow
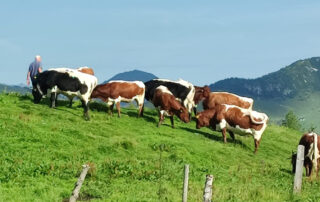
65 81
311 143
201 93
182 90
84 69
234 119
115 92
215 98
168 105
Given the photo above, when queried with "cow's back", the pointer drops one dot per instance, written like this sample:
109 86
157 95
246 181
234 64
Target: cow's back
117 89
165 99
178 90
216 98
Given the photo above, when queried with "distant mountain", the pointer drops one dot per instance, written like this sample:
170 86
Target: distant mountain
295 87
134 75
300 76
15 88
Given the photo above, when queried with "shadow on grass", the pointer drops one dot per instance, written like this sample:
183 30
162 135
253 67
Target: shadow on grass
216 138
75 114
286 171
100 107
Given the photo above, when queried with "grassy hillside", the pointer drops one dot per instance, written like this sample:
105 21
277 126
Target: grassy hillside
305 106
42 151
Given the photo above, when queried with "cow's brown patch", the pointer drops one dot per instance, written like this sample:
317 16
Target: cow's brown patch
86 70
201 93
116 89
216 98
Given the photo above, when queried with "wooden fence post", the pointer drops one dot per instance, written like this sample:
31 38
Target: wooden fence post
77 187
185 183
299 170
207 193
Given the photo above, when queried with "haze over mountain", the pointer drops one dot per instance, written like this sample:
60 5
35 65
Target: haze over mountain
14 88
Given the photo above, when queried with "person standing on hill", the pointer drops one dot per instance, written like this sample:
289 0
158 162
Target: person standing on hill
34 69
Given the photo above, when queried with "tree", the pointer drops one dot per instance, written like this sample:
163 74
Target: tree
292 121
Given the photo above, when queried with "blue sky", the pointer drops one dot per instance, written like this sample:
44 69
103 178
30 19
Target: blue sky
200 41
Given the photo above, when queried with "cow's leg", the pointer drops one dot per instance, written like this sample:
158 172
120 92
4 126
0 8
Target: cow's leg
85 105
231 134
161 118
53 100
118 108
195 111
307 170
140 105
224 131
70 102
140 110
56 101
110 109
256 145
172 123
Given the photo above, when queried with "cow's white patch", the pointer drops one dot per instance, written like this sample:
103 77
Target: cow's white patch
139 83
164 113
164 89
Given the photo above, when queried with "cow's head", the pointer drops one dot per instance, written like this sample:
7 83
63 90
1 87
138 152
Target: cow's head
183 114
37 94
201 93
202 120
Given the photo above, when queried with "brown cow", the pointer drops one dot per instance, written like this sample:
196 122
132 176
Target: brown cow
201 93
86 70
234 119
115 92
308 140
227 98
169 106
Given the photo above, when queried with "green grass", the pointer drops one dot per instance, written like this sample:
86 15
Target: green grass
42 151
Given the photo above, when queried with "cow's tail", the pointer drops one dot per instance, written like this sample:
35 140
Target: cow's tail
264 118
316 151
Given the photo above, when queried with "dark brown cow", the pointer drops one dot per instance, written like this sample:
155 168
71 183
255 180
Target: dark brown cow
215 98
234 119
86 70
308 140
115 92
201 93
169 106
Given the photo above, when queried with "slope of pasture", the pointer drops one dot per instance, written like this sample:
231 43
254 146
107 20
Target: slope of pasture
305 105
42 151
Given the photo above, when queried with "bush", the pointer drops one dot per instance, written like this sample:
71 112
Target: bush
292 121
